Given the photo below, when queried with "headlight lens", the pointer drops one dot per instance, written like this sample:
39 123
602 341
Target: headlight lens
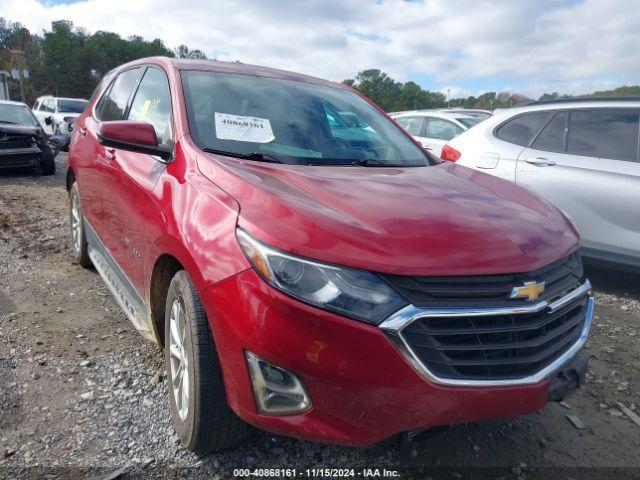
353 293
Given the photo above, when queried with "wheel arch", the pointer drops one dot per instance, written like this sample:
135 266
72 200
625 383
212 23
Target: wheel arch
71 178
164 269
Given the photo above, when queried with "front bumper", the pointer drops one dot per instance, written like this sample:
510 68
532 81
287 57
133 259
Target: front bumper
19 157
362 388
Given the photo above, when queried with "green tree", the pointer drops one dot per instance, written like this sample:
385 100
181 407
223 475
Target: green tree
184 52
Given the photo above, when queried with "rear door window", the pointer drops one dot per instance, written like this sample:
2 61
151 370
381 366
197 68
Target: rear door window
113 104
152 104
552 137
521 129
605 133
442 129
411 125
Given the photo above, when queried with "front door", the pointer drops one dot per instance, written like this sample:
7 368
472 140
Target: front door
136 218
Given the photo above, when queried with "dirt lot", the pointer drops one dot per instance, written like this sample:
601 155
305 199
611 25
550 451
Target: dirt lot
82 394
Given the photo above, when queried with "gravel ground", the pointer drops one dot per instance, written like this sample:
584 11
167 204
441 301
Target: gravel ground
82 395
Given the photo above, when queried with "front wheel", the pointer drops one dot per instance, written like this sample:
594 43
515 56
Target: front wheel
78 238
203 420
47 160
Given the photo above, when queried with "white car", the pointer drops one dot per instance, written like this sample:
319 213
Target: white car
57 114
472 112
434 128
581 155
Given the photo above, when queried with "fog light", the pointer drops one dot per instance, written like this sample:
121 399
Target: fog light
277 391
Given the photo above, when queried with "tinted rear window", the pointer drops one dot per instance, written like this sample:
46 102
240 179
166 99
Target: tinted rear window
521 129
605 133
552 136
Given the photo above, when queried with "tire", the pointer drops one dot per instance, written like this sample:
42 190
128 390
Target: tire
48 161
79 245
203 420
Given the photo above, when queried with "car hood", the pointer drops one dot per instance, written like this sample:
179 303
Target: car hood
441 220
8 129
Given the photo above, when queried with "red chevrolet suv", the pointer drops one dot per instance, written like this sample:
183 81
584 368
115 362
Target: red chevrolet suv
308 268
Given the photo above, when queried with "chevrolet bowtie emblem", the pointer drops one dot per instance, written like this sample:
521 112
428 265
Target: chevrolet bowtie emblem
531 291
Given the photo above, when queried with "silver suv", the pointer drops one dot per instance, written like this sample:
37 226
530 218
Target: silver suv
581 155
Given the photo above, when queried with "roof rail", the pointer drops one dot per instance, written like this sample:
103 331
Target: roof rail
627 98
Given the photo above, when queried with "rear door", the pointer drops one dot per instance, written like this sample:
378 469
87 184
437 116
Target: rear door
437 133
585 161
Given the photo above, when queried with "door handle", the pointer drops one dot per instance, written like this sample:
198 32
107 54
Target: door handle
425 147
540 162
110 153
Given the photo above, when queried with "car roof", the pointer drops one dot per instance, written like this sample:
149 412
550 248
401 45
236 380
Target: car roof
569 104
462 110
11 102
597 100
431 113
229 67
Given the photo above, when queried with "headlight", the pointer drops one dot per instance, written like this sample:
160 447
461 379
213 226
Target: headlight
353 293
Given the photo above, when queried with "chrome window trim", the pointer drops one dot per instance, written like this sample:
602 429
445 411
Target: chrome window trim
393 326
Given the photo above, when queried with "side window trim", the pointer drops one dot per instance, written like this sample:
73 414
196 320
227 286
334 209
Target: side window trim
542 127
137 87
423 127
134 90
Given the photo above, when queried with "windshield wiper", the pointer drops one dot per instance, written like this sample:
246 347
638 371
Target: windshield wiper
7 121
368 162
258 156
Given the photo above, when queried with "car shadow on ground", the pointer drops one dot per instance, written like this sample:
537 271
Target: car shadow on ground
614 281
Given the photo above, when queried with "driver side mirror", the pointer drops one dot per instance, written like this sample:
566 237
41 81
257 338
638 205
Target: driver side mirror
134 137
48 120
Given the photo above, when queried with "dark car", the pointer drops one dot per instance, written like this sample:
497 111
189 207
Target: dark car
23 143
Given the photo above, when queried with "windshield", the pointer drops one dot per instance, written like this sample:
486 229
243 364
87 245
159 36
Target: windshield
71 106
292 122
469 122
17 114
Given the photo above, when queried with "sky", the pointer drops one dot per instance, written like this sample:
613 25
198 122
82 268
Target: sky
466 46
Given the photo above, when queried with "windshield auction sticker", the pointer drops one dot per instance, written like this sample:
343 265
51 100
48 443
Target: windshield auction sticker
243 129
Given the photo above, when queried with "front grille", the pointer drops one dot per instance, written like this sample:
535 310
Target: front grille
16 141
499 345
488 290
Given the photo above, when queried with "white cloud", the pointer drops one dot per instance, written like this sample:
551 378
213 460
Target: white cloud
534 45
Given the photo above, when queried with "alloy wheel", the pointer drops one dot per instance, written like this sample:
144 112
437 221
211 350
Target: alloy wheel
179 361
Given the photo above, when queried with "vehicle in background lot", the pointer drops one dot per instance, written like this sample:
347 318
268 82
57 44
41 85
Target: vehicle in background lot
433 128
472 112
308 268
56 114
23 143
582 155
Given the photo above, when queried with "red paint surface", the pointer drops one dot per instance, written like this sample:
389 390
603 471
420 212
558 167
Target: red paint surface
443 220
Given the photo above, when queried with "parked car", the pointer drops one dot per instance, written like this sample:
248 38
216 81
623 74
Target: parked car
434 128
582 155
472 112
340 288
23 143
56 114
